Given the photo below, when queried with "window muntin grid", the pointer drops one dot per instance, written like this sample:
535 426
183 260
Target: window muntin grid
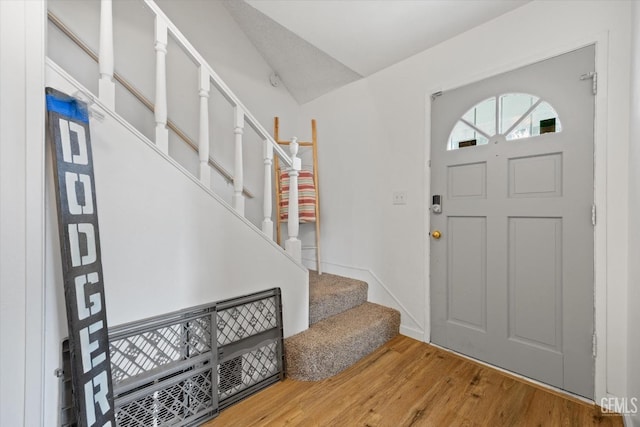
511 115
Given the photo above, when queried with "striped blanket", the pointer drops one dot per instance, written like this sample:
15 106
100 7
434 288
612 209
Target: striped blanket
306 196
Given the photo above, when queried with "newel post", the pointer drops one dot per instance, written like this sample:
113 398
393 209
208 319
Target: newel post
162 133
106 86
267 223
203 140
293 245
238 173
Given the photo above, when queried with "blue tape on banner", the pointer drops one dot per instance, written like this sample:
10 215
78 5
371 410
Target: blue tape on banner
69 107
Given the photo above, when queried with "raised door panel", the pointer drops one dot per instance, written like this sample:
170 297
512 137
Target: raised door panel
467 271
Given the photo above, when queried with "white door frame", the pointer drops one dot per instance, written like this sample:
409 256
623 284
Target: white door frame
22 184
600 191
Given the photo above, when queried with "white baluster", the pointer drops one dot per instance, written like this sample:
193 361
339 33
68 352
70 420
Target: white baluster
238 180
106 86
293 245
203 140
162 134
267 224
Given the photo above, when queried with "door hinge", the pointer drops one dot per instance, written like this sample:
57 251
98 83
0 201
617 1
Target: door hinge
593 214
594 80
595 345
434 95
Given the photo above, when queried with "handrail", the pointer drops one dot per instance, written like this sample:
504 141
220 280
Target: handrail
140 97
164 29
218 82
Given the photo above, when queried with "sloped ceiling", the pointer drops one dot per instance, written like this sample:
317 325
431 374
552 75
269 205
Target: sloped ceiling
317 46
305 70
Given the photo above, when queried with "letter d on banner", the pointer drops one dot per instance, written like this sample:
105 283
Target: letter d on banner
68 134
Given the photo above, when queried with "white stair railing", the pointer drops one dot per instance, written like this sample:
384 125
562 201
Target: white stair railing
293 244
110 90
161 108
106 85
238 172
207 77
203 135
267 210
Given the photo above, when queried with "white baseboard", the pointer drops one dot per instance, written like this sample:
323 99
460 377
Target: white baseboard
416 334
379 293
631 420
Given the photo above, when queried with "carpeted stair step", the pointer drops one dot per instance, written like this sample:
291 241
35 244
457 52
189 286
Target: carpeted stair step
330 295
332 345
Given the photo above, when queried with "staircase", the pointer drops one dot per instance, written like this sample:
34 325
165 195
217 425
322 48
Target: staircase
344 328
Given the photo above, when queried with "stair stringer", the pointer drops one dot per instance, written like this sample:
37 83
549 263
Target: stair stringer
379 293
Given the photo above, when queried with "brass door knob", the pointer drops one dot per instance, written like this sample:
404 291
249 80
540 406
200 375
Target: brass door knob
436 234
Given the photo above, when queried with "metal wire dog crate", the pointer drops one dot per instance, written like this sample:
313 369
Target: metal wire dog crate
180 369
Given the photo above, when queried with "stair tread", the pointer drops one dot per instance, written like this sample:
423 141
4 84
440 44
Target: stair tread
335 343
347 323
330 295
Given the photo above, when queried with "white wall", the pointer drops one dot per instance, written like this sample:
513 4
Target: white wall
166 242
375 137
21 212
634 214
213 32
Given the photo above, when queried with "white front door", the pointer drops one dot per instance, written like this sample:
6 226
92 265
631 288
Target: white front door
512 272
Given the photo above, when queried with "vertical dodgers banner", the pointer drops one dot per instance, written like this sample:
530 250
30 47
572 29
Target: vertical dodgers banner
68 134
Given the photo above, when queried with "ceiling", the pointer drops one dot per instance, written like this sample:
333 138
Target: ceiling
317 46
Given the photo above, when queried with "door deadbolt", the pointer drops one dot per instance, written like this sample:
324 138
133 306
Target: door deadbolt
436 204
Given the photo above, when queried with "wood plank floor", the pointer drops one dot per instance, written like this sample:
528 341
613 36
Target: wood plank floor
410 383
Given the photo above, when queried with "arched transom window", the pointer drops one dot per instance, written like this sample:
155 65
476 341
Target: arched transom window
511 116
